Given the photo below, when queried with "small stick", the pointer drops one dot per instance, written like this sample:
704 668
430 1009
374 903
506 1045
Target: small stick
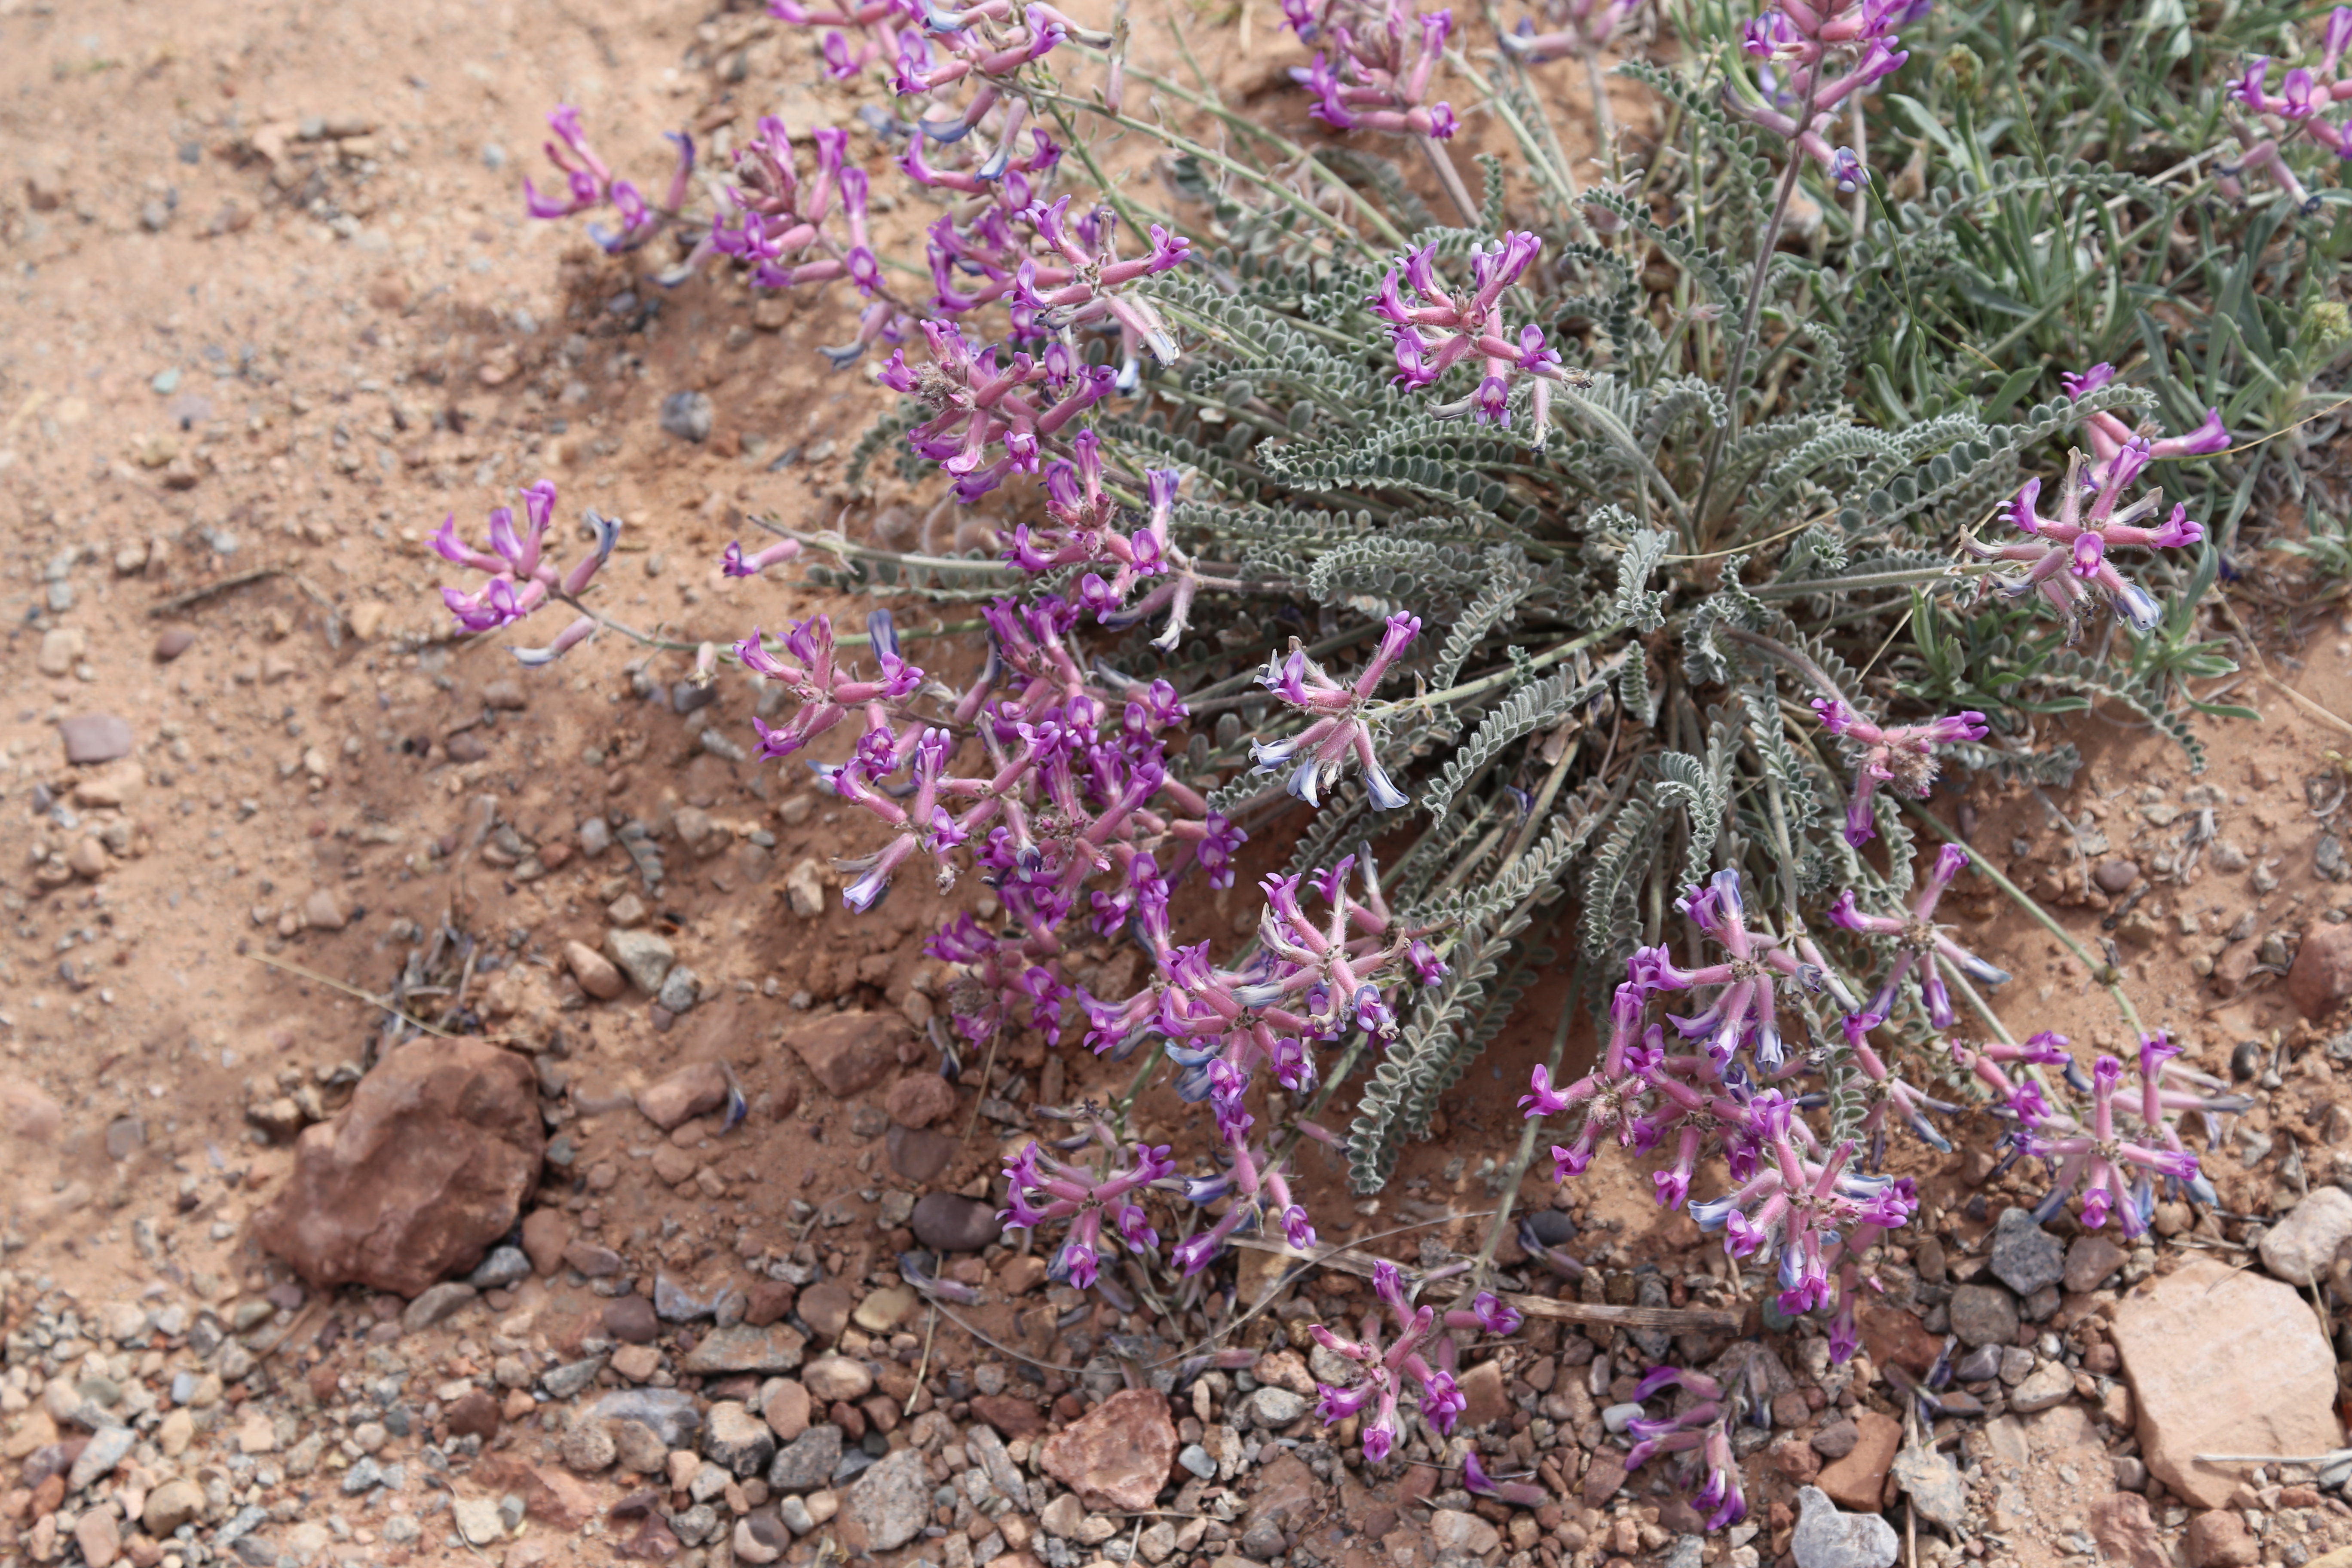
930 1328
197 595
371 1001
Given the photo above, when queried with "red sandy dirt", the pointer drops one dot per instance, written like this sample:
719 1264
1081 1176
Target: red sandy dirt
272 307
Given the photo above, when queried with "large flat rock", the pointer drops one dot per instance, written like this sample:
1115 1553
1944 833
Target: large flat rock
2223 1362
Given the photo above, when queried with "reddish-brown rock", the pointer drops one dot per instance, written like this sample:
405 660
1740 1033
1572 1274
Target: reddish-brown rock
1893 1335
2125 1533
2223 1362
825 1308
693 1090
1286 1494
1856 1482
1011 1415
422 1173
771 1301
786 1409
920 1099
545 1234
2321 980
1117 1457
552 1498
1482 1394
472 1414
848 1053
2220 1539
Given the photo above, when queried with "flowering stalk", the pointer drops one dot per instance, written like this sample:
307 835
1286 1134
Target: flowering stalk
1375 74
1097 1203
1901 756
1336 727
1439 330
1384 1374
2297 111
2065 557
1811 58
2109 436
523 579
1918 942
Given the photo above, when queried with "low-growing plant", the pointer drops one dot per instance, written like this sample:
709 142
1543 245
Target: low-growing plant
1539 603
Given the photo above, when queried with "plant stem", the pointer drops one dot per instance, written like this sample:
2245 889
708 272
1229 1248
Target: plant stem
1528 1136
1442 164
2099 969
1736 363
1905 578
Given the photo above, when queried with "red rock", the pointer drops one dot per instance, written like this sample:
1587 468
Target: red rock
2220 1539
690 1091
825 1308
1483 1396
848 1053
920 1099
551 1497
1794 1457
29 1115
1011 1415
2223 1362
771 1301
422 1174
472 1414
1117 1457
545 1234
1893 1335
1856 1482
2321 980
1602 1477
787 1410
1286 1494
2125 1533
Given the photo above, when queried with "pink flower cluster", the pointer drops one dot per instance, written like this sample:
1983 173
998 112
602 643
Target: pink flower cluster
1581 29
589 182
2114 1164
1384 1374
1901 756
1811 58
2295 110
1439 330
1044 1188
1374 76
523 578
2065 558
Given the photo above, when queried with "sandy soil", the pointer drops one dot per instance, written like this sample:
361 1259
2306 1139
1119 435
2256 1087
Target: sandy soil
272 309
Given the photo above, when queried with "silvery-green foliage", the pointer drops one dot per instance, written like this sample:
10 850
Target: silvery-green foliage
1588 723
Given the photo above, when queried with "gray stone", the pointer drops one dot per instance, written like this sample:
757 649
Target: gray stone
688 416
1825 1538
96 737
669 1412
108 1446
2115 876
675 1304
680 990
2300 1247
806 1462
946 1223
435 1305
2017 1365
1933 1483
2050 1383
505 1265
364 1476
563 1382
1277 1407
641 955
2025 1256
736 1438
1981 1364
986 1446
1195 1458
1984 1315
889 1504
